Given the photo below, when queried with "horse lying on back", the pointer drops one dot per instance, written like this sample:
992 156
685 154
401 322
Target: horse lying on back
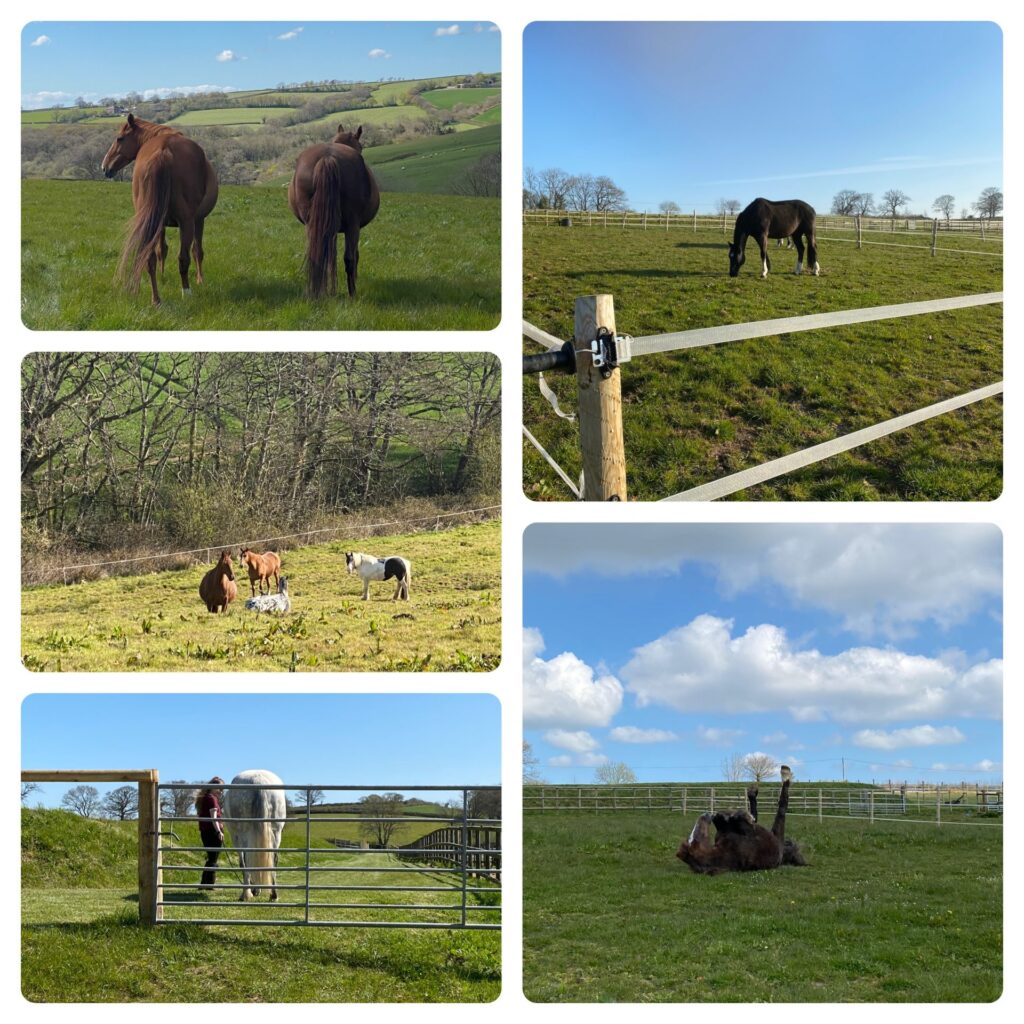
762 220
741 844
372 568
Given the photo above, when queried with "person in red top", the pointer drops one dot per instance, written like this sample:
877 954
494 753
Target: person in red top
211 831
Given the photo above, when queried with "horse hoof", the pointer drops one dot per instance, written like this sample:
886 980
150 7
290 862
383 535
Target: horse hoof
186 293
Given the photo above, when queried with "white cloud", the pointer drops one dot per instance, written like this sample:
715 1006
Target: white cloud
632 734
588 759
881 578
451 30
713 736
378 52
701 667
916 736
293 34
560 761
40 41
781 739
592 760
225 56
579 741
565 692
985 765
45 98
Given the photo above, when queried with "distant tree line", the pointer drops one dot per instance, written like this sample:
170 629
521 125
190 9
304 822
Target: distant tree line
849 202
555 189
190 448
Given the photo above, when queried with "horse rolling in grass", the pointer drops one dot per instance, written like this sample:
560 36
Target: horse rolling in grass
173 186
762 220
371 568
740 843
333 192
257 841
261 567
218 587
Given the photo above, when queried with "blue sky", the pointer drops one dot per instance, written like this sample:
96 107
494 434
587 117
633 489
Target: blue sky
694 112
670 647
63 60
380 740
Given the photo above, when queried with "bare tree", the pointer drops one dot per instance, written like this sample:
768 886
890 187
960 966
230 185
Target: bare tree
122 803
865 203
485 803
581 193
614 773
669 206
945 205
314 796
27 789
531 765
733 767
482 178
844 202
83 800
381 807
532 189
759 766
989 203
553 186
607 195
892 201
179 803
727 206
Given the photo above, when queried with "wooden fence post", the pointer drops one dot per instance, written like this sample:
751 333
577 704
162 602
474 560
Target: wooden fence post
871 804
819 805
599 406
645 220
859 235
712 799
938 804
150 873
684 801
694 220
935 228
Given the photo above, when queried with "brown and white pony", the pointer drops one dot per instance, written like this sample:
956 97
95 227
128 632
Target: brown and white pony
173 186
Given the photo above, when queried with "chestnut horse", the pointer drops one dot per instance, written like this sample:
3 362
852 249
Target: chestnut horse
740 843
261 567
173 186
218 588
333 192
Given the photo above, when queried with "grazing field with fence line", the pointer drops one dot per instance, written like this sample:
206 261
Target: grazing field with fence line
886 913
695 416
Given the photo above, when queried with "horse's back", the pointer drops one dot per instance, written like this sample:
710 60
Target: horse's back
194 181
358 183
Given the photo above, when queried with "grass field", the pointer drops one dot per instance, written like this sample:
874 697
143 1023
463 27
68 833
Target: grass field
452 621
428 164
448 99
228 116
370 116
884 912
427 262
79 894
492 115
691 417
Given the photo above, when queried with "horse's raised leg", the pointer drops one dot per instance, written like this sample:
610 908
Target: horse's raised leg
351 257
799 254
151 268
197 251
187 235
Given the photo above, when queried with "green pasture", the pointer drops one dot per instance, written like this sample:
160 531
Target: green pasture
448 99
889 912
427 262
228 116
79 894
156 622
428 164
690 417
50 114
388 91
368 116
492 115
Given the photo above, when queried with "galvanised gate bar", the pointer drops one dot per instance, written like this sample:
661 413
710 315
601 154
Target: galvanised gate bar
449 877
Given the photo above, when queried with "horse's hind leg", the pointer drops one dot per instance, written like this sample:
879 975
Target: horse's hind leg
765 264
799 253
352 257
187 235
812 252
197 251
151 268
779 825
161 256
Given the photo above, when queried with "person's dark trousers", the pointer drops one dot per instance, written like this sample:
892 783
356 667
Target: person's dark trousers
213 843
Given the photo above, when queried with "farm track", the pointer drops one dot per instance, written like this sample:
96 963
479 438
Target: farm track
691 417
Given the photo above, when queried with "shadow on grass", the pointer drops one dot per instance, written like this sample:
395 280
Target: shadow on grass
651 272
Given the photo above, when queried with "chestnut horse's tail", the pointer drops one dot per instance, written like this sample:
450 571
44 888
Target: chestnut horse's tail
322 228
146 227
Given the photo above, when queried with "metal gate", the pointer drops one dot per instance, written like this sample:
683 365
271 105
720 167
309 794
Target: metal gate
341 869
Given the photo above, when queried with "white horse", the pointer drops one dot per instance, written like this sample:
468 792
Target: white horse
256 841
371 568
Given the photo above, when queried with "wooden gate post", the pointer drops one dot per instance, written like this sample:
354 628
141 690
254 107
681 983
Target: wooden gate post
150 872
599 405
935 228
860 243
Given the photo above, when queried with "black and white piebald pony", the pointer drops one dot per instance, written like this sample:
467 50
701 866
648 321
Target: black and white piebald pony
372 568
257 840
762 220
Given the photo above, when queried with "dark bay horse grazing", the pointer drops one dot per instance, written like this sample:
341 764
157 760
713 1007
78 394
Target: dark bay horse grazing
173 186
762 220
741 844
218 588
261 567
333 192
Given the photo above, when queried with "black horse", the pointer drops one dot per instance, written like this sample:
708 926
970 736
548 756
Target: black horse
762 219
